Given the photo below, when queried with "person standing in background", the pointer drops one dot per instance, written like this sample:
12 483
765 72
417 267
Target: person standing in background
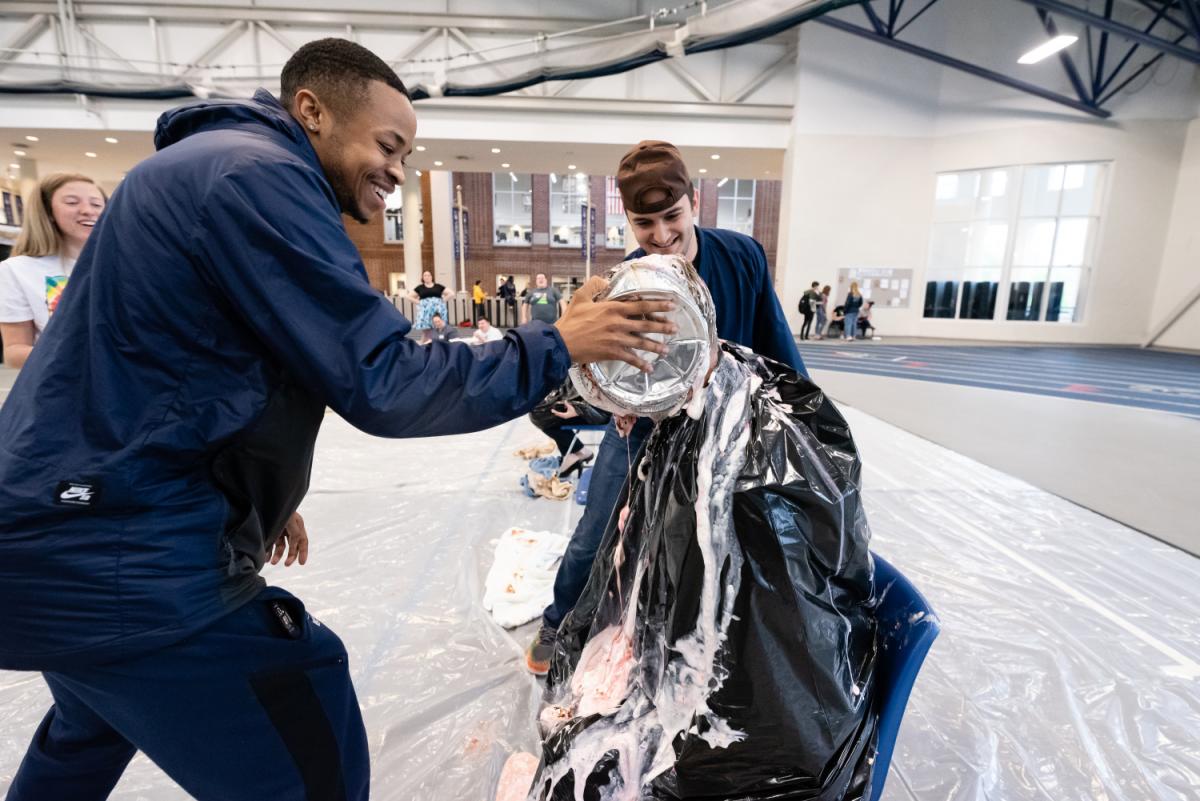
508 294
544 302
58 219
854 302
808 308
478 296
431 300
822 315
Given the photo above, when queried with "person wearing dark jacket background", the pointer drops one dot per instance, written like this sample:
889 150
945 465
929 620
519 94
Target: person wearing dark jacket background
662 207
153 454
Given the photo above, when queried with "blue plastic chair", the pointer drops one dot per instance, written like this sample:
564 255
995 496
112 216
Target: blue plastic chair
585 477
907 627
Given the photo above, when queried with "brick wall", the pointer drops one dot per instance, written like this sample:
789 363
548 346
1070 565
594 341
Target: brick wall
767 195
381 258
486 261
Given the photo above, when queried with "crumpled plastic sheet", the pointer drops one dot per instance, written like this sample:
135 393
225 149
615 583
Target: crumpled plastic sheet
1062 673
724 644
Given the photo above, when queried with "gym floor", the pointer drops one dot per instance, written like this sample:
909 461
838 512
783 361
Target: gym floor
1116 430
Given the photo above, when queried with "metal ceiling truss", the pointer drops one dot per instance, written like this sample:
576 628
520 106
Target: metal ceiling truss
1116 32
885 20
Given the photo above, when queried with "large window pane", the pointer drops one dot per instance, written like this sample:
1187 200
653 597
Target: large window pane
995 196
1041 189
1066 286
614 215
1035 241
1031 230
1082 189
735 205
567 194
986 242
512 209
1025 289
393 219
1071 244
955 196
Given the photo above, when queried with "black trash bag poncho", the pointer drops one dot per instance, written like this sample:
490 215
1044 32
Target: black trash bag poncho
725 643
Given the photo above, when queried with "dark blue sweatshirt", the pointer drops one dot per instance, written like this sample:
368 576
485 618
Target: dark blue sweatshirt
162 431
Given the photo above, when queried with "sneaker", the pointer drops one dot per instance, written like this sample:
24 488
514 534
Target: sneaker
541 651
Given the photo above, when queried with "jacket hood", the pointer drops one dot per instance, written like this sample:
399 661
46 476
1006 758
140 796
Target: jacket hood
206 115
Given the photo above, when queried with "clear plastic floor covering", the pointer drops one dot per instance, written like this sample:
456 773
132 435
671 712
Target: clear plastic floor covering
1068 668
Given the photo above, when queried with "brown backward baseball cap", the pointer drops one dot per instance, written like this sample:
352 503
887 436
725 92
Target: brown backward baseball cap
652 177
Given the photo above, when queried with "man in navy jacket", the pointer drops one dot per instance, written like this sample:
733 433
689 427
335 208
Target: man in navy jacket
662 207
153 452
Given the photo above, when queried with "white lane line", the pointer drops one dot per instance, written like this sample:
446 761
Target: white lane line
1009 383
1184 667
1019 362
1078 373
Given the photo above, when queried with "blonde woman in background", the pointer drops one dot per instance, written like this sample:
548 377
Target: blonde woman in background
58 219
854 302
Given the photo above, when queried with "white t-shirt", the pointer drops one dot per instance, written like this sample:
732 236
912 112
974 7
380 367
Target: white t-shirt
30 287
493 335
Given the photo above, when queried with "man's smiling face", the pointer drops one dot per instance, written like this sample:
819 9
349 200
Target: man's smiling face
671 231
362 148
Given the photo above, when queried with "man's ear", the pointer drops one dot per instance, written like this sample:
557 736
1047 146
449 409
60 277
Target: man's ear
310 111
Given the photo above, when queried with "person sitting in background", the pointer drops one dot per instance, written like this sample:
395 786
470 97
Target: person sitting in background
564 407
485 332
58 219
440 332
864 320
837 323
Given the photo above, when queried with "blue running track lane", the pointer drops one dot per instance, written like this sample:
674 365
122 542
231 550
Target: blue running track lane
1158 380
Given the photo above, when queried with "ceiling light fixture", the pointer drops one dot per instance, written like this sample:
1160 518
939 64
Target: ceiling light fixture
506 165
420 148
90 154
722 182
31 138
112 140
715 157
18 152
702 170
571 167
437 163
1048 49
495 150
15 166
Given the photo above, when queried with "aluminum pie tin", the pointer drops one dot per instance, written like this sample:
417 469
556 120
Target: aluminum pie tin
622 388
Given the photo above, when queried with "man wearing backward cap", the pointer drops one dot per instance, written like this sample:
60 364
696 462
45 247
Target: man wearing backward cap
662 207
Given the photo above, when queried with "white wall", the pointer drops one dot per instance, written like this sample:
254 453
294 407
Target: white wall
864 198
1180 273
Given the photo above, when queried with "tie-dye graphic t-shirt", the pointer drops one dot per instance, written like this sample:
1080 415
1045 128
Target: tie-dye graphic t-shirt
30 288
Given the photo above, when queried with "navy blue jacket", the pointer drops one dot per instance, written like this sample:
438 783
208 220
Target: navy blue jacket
162 431
734 266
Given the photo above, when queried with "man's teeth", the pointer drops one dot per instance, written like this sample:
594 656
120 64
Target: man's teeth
380 193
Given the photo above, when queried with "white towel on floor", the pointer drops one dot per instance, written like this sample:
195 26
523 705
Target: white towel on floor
520 584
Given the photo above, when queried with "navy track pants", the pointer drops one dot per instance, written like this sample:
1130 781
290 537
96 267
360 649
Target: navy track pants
257 706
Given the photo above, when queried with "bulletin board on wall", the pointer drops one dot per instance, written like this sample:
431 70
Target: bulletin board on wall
889 287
